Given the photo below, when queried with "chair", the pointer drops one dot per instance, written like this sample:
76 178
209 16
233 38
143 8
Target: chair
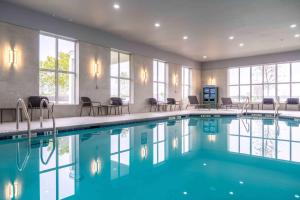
118 103
86 102
193 101
227 103
34 103
173 103
268 101
292 101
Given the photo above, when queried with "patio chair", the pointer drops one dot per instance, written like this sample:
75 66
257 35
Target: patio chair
227 103
86 102
117 103
173 103
34 103
292 101
193 101
268 101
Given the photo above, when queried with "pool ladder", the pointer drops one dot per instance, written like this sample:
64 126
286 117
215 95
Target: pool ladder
277 106
245 107
46 102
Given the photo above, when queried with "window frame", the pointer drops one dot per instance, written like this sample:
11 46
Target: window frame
56 71
118 77
165 83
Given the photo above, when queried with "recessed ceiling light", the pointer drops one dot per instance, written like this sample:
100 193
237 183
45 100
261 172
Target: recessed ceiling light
231 38
293 26
204 57
185 37
241 44
297 35
157 24
116 6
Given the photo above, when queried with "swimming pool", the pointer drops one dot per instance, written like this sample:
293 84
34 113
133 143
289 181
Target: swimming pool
188 158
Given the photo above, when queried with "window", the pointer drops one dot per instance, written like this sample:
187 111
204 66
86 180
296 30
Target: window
159 80
120 75
185 136
186 82
57 77
261 81
159 142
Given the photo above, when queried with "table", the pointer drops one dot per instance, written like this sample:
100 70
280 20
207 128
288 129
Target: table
108 109
13 110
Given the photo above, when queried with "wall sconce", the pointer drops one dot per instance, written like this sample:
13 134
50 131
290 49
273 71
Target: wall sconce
175 143
211 81
12 191
13 57
175 81
144 152
96 72
96 167
212 138
144 75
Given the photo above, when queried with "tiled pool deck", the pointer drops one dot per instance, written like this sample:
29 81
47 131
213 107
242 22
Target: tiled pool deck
84 122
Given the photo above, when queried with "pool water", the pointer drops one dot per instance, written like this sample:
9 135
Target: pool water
189 158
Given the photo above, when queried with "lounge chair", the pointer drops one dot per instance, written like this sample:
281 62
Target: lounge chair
34 103
193 101
227 103
268 101
117 103
173 103
292 101
86 102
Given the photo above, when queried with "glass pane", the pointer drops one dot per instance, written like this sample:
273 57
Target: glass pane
125 89
124 65
296 72
47 85
283 91
245 75
296 134
48 185
47 52
114 88
186 76
269 91
124 140
283 150
114 65
257 74
66 182
283 73
269 73
245 145
244 92
65 150
66 55
186 92
154 70
233 143
161 92
161 71
233 76
257 93
295 151
234 93
296 89
257 147
66 88
257 128
155 95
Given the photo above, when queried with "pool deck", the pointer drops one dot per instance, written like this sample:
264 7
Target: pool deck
8 129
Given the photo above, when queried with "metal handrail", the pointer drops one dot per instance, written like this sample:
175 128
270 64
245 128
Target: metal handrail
277 106
21 103
22 166
42 113
52 151
245 106
247 125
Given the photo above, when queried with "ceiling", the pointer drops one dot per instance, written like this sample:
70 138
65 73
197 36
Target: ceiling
262 25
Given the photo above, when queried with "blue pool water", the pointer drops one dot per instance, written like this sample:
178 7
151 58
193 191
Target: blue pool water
191 158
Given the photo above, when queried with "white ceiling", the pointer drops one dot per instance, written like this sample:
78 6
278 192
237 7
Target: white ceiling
262 25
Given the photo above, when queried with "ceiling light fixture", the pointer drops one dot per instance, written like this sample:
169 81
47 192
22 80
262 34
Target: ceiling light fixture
241 44
116 6
297 35
231 38
204 57
293 26
157 25
185 37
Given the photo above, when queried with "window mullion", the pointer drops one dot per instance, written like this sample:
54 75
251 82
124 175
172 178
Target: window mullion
56 71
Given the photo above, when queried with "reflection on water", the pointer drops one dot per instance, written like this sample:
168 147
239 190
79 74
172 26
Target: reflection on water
128 160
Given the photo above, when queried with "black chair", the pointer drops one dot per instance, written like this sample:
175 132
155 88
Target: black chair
227 103
292 101
117 103
268 101
153 103
193 101
173 103
34 103
86 102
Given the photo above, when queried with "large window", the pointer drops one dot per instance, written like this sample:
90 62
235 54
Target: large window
261 81
186 82
57 79
159 80
159 142
120 75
